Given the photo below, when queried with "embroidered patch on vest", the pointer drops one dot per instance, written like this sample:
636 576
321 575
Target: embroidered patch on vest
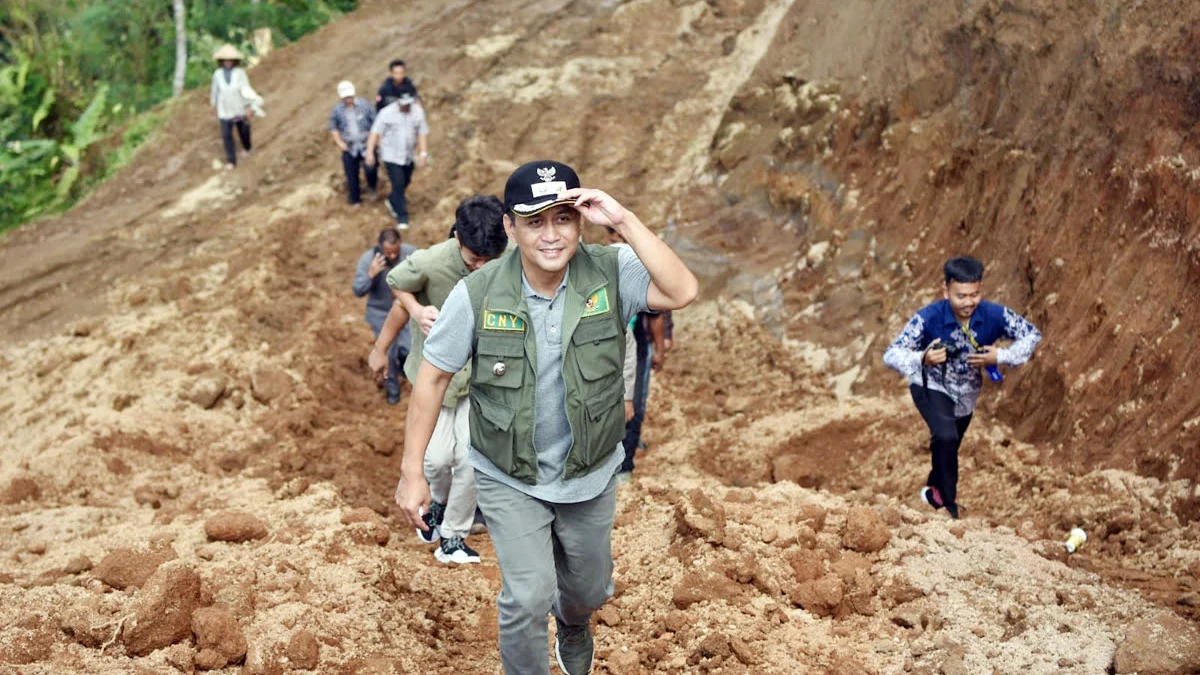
503 321
597 303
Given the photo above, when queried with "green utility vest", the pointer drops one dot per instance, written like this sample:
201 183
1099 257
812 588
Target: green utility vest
504 365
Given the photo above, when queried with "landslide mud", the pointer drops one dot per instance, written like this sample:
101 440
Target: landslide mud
188 428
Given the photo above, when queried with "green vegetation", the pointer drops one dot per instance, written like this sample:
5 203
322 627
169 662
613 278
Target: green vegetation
75 72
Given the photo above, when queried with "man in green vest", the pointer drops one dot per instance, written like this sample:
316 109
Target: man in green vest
543 330
421 283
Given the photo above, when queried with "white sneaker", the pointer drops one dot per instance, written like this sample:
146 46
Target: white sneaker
401 226
454 551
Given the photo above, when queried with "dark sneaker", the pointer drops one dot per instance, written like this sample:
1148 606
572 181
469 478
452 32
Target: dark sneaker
932 497
433 520
392 388
952 509
573 649
454 551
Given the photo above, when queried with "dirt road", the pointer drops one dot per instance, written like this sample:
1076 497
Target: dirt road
184 344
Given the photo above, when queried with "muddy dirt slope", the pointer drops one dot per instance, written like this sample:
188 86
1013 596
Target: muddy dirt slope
196 472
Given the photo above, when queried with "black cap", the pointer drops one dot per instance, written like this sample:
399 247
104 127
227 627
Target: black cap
534 187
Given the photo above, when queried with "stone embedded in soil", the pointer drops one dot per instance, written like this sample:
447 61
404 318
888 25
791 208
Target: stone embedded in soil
164 612
716 645
865 530
698 516
78 565
609 616
205 390
820 597
234 526
366 527
624 661
218 637
807 565
1164 644
268 384
128 567
21 489
675 621
813 516
303 650
743 652
85 624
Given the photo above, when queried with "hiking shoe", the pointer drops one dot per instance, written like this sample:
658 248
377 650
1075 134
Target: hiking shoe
573 648
392 388
433 520
932 497
455 551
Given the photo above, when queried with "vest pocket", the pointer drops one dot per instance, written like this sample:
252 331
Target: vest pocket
605 424
492 430
499 362
597 348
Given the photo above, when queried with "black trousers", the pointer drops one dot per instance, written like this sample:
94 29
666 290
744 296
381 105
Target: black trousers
946 433
243 129
351 164
641 393
399 176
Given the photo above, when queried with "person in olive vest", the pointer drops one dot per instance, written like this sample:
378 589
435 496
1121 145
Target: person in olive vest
421 283
543 330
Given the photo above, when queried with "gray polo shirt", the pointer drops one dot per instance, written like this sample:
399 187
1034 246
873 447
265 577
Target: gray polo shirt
448 348
398 131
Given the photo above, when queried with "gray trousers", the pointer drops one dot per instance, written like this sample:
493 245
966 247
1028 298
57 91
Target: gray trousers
553 557
451 478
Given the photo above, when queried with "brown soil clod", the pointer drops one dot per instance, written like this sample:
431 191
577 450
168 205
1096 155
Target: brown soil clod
235 526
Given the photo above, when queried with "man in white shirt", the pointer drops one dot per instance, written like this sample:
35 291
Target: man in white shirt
401 133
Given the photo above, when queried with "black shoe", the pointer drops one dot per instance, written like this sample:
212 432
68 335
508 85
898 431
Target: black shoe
432 520
573 648
393 391
952 509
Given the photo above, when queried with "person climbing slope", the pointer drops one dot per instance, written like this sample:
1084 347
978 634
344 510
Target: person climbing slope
542 328
943 350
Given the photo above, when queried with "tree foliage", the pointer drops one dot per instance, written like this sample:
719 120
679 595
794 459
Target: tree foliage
73 71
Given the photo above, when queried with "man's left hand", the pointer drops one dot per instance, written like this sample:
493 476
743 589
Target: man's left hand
420 161
988 357
597 206
658 359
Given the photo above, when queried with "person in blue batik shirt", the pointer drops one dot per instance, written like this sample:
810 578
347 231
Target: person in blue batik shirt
350 124
943 351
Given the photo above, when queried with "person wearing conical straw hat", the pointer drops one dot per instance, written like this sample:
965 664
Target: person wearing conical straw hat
229 103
